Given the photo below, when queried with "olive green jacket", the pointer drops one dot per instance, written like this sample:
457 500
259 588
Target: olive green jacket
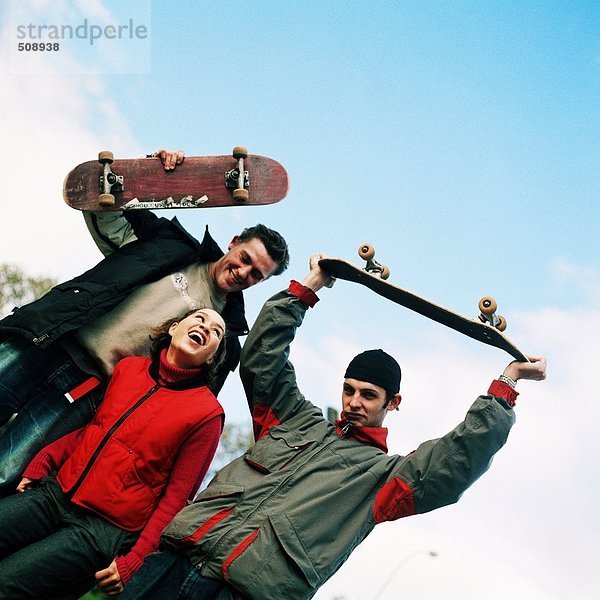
280 520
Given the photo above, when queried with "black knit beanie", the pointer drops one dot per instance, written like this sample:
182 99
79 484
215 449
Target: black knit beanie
376 367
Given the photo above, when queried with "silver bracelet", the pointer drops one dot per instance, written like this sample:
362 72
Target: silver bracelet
508 381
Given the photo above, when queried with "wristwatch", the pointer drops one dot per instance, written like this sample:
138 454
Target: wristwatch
508 381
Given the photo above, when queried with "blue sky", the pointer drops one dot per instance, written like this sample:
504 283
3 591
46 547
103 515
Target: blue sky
433 118
461 139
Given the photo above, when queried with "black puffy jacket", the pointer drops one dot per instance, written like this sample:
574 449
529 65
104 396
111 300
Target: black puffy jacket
163 246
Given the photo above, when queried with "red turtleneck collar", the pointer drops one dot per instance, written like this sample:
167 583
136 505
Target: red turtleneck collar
169 373
374 436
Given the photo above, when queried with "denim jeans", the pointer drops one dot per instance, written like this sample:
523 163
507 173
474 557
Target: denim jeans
23 368
171 576
33 383
50 547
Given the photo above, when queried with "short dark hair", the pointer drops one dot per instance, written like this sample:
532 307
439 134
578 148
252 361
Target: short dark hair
274 243
389 396
161 339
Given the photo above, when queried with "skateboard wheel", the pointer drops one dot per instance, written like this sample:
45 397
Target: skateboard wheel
105 156
240 152
385 272
366 251
106 200
240 195
487 305
501 324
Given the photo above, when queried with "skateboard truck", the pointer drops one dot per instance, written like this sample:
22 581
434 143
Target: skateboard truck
487 313
109 182
238 179
104 184
487 305
367 252
471 327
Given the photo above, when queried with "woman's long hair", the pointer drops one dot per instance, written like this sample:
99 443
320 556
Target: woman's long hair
161 339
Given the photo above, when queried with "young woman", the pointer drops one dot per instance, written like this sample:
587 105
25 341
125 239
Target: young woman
94 503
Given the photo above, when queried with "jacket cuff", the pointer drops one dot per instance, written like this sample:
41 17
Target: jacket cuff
303 293
127 566
37 468
504 391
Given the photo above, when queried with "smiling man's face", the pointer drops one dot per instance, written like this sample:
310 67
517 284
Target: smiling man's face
244 265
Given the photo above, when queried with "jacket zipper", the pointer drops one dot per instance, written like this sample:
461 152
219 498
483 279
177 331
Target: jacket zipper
345 429
107 437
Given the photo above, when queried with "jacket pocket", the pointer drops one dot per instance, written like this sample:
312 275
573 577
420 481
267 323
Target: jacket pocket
276 450
274 564
113 488
209 508
155 489
220 491
79 293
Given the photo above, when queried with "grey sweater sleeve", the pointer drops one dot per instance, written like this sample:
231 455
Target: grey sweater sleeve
109 230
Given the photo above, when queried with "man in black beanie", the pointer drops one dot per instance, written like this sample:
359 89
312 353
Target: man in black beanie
367 372
280 520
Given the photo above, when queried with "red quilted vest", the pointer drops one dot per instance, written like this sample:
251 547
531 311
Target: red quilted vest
123 462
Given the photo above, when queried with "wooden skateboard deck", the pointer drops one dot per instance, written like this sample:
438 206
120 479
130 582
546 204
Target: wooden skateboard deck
472 328
198 182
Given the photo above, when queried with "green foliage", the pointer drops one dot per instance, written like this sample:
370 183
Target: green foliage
95 594
235 440
17 288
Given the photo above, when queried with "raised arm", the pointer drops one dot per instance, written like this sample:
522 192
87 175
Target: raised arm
317 278
267 374
439 471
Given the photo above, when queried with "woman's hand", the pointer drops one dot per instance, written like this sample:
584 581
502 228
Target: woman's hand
25 484
109 580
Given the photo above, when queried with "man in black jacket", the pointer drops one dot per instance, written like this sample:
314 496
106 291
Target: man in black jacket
153 269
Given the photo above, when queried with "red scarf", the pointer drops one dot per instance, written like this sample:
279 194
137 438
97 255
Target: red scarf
374 436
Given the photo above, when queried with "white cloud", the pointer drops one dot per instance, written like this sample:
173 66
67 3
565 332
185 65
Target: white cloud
51 122
581 278
533 514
